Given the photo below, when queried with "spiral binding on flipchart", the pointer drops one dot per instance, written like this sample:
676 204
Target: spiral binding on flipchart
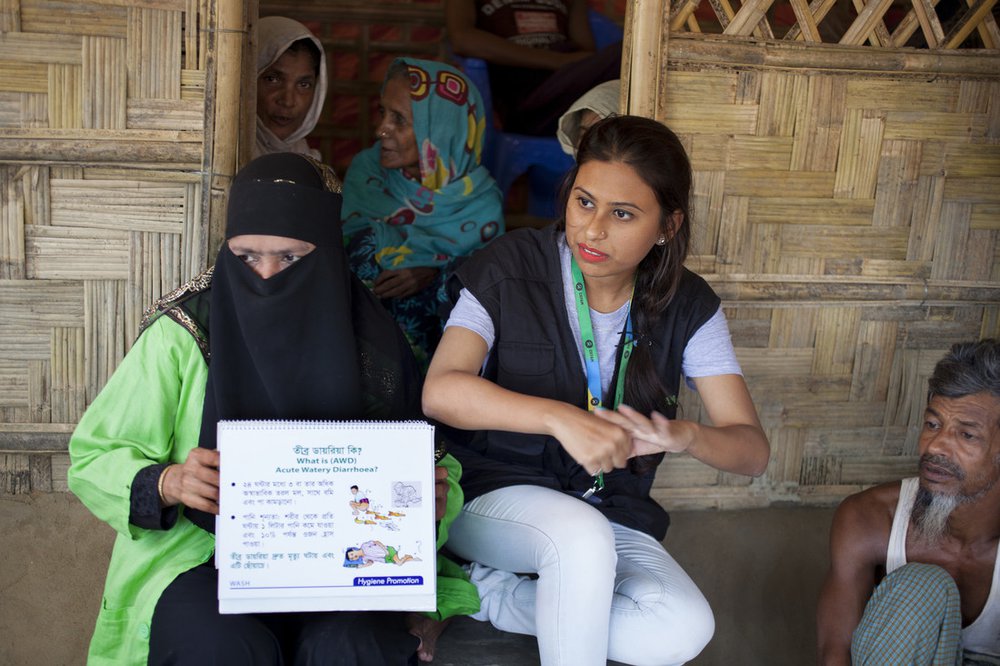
268 424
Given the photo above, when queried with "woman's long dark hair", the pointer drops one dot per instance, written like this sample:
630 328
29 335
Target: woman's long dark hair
657 156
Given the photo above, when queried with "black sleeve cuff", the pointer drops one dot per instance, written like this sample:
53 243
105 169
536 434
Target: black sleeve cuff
145 510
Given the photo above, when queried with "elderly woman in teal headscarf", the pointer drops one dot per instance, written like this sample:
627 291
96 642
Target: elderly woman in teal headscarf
419 200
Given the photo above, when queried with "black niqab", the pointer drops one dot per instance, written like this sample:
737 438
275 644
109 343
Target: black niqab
286 347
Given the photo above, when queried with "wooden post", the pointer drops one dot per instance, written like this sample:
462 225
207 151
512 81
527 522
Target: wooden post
644 61
231 54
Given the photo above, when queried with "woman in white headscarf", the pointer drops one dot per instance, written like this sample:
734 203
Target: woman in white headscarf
599 102
291 86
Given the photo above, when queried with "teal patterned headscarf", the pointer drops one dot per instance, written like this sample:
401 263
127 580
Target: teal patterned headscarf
456 206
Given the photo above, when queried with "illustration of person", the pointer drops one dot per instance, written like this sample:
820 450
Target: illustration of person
373 551
404 495
358 504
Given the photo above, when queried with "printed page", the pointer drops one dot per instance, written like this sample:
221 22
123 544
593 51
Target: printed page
326 516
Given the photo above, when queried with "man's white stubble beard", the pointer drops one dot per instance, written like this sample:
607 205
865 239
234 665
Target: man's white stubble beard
930 515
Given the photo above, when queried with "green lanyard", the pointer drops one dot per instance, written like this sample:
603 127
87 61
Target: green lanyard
590 360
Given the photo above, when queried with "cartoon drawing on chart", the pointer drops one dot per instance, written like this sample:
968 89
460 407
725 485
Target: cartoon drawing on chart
358 503
405 495
374 513
370 552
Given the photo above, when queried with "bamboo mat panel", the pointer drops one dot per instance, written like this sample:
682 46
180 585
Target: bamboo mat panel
845 209
852 228
108 194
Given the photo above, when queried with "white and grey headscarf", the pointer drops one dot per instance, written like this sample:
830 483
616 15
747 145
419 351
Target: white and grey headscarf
274 35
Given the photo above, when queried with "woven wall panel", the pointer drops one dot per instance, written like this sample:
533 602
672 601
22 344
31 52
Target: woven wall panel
845 209
25 77
853 231
154 53
107 193
184 114
81 18
104 75
119 204
58 253
28 48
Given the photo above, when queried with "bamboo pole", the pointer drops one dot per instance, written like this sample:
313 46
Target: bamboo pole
644 64
964 64
222 102
865 24
248 87
683 12
989 32
923 12
748 18
819 9
810 31
972 19
80 146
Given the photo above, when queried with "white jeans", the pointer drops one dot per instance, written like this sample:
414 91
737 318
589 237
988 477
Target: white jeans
603 591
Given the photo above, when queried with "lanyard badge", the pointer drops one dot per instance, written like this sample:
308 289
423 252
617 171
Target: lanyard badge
590 361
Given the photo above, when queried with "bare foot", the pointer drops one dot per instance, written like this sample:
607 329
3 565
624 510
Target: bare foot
428 631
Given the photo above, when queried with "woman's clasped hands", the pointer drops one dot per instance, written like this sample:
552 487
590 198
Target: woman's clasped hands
605 439
596 444
403 282
653 434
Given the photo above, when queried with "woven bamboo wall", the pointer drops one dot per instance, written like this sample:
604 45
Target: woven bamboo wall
847 210
847 207
112 175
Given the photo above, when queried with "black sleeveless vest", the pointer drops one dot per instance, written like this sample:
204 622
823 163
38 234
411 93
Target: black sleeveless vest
518 279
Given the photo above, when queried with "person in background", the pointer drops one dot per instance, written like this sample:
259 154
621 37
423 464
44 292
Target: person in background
541 56
599 102
290 334
291 86
419 201
561 364
914 571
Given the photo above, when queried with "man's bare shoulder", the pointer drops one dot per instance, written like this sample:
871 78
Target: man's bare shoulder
864 519
877 499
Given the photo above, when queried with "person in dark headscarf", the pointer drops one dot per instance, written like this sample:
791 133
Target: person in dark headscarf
277 329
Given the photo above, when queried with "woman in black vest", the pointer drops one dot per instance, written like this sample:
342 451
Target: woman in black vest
559 370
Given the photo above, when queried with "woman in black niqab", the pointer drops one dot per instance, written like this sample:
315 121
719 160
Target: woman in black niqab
282 347
306 342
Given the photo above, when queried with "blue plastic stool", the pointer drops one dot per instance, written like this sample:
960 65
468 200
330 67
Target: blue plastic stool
508 155
544 161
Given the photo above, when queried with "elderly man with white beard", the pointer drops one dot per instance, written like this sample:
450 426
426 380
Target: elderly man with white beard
914 575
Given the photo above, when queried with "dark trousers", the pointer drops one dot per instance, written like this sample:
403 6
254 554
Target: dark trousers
188 629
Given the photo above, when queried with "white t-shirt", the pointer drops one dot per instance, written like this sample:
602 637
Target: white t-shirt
709 352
